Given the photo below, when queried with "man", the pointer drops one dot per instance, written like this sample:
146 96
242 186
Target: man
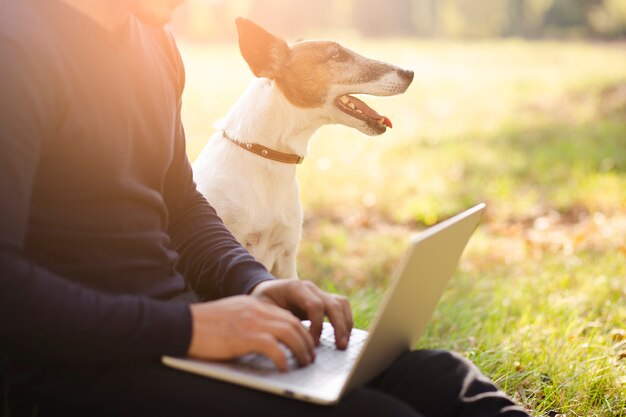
104 242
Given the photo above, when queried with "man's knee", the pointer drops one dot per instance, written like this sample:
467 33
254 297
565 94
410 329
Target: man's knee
442 363
369 402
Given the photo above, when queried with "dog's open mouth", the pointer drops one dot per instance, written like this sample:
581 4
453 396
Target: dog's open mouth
358 109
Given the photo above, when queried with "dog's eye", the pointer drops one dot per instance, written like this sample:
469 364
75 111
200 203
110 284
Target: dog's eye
339 56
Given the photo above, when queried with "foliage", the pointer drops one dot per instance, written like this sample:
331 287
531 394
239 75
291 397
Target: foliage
433 18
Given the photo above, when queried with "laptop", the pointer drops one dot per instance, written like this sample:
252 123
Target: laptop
414 291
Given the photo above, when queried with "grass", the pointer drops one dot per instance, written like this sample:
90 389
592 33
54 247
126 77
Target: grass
538 131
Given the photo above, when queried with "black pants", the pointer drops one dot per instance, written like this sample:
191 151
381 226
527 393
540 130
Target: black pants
419 383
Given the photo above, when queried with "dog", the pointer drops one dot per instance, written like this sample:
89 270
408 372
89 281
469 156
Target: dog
247 171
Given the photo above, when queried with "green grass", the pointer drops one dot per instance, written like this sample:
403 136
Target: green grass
538 131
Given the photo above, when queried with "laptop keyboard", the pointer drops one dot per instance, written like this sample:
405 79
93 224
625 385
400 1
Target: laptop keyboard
329 360
327 350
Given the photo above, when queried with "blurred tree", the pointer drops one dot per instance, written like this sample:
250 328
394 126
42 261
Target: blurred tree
445 18
291 17
472 18
569 13
426 17
534 13
384 17
604 18
212 19
518 23
609 19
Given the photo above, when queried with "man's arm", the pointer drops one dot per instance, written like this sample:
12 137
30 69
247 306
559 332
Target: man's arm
211 259
48 319
43 316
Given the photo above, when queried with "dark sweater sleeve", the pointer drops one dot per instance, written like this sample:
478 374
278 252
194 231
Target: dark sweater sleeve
49 319
44 316
211 259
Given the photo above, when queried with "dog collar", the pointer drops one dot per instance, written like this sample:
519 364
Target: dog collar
265 152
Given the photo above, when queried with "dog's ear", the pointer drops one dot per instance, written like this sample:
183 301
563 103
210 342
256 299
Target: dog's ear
264 52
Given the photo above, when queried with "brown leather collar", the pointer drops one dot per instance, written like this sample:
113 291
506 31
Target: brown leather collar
265 152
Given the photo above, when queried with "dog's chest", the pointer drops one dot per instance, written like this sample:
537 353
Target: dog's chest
275 222
257 200
275 243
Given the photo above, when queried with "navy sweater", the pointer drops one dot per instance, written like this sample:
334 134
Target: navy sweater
100 220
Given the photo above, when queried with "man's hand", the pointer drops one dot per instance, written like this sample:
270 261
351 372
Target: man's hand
239 325
307 301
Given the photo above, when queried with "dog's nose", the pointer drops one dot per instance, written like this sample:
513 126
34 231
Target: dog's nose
407 75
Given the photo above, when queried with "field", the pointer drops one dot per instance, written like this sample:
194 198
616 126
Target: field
535 130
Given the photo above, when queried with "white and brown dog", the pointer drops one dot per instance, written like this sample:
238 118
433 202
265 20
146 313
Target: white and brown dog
247 171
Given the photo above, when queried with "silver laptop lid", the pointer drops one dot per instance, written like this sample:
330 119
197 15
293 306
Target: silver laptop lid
415 290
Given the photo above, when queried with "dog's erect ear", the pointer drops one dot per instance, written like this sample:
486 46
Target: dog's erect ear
264 52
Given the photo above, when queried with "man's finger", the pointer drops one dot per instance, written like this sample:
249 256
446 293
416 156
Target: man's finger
298 341
335 311
265 344
348 309
314 307
288 329
348 314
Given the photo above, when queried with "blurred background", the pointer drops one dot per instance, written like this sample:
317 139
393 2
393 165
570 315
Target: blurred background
531 19
518 103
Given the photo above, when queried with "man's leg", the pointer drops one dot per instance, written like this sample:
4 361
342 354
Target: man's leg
444 384
419 383
151 389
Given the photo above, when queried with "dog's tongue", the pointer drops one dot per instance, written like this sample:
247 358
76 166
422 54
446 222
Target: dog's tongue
368 111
